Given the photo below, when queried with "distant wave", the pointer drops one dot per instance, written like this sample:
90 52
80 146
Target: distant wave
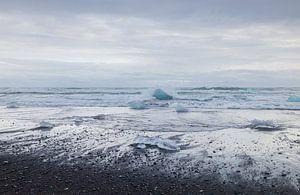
204 99
190 92
240 88
69 93
191 99
262 108
220 88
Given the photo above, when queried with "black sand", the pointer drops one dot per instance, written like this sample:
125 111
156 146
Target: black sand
27 174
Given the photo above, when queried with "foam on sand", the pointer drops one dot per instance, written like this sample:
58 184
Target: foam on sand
161 95
162 143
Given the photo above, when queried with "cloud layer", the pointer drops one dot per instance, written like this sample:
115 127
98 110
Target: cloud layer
136 43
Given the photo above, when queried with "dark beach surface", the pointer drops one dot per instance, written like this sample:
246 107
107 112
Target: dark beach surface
29 174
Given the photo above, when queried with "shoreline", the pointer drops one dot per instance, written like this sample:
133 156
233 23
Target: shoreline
96 151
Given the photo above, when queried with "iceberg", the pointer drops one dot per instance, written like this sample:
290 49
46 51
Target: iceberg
162 143
161 95
294 99
138 105
264 125
180 108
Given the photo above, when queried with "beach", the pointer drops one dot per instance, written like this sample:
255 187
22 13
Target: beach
152 150
150 97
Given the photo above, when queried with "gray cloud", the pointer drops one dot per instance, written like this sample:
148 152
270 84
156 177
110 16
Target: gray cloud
251 10
112 42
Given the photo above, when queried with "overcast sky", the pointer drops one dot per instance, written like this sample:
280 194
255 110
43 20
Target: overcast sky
149 42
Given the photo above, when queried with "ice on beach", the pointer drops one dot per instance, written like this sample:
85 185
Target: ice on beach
12 105
161 95
141 146
78 121
162 143
180 108
264 125
99 117
46 125
294 99
138 105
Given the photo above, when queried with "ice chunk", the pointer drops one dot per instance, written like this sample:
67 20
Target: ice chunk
45 125
78 121
159 142
294 99
141 146
99 117
138 105
264 125
180 108
161 95
12 105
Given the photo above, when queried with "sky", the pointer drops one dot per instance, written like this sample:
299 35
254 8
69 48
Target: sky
128 43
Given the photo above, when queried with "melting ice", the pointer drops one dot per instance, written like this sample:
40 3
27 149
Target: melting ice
162 143
264 125
12 105
138 105
45 125
180 108
294 99
161 95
